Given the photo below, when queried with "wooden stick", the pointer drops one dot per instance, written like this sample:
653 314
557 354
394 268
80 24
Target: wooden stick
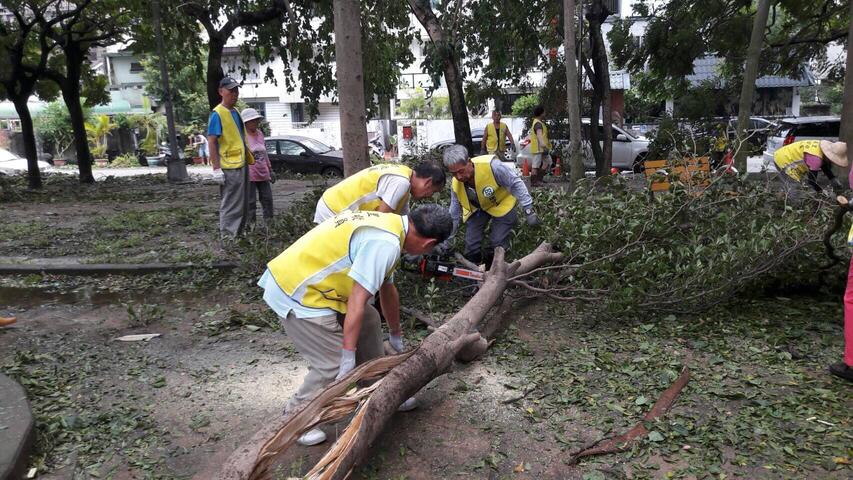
622 442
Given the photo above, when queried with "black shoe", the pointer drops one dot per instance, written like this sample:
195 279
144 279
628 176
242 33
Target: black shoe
841 369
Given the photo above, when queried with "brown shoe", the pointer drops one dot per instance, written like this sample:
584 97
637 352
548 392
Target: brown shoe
6 321
842 370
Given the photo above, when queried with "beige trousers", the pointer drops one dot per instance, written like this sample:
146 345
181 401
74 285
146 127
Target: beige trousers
319 341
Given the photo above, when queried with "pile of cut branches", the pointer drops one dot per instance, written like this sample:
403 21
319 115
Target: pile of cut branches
631 254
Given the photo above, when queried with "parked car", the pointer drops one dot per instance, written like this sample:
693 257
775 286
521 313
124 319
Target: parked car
476 141
11 164
300 154
629 151
792 130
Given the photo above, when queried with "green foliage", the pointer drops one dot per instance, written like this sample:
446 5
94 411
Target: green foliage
186 79
637 256
97 132
53 125
680 32
641 108
419 106
523 106
831 94
125 161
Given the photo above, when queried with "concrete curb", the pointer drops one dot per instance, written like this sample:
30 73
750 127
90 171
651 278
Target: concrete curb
107 268
17 429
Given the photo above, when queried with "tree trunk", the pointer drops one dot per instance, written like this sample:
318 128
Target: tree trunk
350 76
71 94
750 74
176 169
458 110
29 135
572 93
598 14
432 358
214 69
846 133
452 73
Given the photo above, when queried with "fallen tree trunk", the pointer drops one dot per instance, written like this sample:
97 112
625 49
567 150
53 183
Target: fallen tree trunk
433 357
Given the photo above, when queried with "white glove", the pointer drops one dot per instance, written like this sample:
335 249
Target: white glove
219 176
347 363
396 342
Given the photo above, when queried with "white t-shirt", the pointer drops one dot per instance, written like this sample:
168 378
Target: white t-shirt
390 189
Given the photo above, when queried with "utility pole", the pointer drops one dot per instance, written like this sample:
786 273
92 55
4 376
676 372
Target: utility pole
176 171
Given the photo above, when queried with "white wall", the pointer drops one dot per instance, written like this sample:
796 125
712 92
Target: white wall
120 71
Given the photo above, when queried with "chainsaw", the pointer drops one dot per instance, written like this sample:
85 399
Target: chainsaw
435 266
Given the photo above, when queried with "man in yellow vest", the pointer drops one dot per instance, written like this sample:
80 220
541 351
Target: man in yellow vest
802 160
540 146
229 156
321 287
484 190
381 188
495 136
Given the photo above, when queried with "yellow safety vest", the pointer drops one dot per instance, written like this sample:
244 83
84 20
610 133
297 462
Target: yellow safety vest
232 150
534 140
496 200
495 140
790 159
314 270
358 192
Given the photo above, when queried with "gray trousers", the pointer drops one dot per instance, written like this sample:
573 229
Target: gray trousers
232 208
262 191
475 229
319 341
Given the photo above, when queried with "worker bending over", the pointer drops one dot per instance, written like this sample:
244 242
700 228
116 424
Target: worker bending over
804 159
381 188
321 287
484 190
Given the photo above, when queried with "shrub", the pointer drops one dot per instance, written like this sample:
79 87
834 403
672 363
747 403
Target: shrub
125 161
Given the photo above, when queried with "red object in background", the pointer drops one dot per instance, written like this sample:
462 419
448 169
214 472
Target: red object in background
552 53
558 167
525 168
614 171
407 132
729 161
554 21
788 140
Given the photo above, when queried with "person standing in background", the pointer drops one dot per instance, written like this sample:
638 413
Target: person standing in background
260 174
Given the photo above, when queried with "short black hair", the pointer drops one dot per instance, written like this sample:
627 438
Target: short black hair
431 171
538 110
432 221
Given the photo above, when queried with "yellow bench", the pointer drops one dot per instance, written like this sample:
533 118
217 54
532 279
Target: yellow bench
693 171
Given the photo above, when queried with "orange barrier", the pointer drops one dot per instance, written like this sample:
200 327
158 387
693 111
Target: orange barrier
525 168
694 171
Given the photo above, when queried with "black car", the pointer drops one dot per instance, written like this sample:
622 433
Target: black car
297 154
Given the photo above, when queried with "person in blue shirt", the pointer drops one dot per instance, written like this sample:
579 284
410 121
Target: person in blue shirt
229 157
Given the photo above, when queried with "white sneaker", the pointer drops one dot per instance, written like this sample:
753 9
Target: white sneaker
312 437
410 404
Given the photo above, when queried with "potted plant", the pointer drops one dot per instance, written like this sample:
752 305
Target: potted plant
97 132
152 123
